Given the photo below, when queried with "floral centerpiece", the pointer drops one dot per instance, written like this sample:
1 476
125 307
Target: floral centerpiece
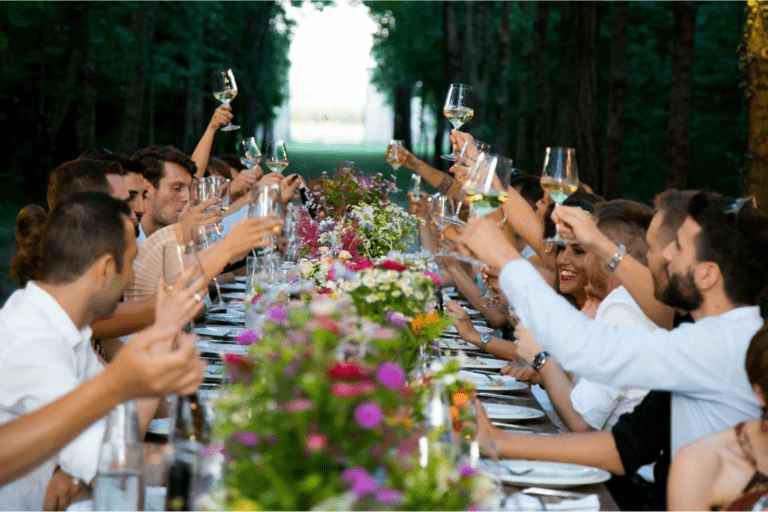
334 195
313 418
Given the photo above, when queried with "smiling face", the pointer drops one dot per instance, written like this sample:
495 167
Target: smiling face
571 271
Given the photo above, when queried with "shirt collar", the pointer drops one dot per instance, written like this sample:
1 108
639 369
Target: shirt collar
57 317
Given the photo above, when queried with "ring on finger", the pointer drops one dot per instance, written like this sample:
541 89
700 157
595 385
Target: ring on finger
197 297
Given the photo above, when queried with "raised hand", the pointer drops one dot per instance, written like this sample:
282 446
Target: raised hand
194 217
249 233
221 116
483 240
527 345
576 224
458 139
178 306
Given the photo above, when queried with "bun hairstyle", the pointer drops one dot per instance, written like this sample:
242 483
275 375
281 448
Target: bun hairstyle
25 265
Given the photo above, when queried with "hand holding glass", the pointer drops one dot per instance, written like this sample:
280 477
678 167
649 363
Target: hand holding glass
225 90
560 178
457 110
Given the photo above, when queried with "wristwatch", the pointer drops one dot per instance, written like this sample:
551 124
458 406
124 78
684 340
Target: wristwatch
539 360
484 339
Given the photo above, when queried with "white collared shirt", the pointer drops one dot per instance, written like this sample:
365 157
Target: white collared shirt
702 364
42 357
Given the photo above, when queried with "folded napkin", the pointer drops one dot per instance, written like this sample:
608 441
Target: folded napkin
520 501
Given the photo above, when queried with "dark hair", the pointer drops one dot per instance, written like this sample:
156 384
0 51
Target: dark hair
106 155
757 359
29 231
154 157
529 188
584 200
625 222
219 167
737 241
78 232
673 205
81 175
233 161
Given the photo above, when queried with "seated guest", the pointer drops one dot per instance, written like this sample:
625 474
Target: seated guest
88 245
219 168
727 470
699 363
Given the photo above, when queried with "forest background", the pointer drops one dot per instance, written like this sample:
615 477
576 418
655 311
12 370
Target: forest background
651 94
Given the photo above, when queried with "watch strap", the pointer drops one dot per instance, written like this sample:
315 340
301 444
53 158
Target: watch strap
539 360
484 339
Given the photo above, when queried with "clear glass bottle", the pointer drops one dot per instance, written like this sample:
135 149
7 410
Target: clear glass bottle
119 483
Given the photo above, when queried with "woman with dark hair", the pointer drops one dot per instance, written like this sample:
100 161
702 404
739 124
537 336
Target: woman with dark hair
29 224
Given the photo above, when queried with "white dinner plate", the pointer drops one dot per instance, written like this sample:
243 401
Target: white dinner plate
482 363
511 412
472 311
493 383
233 295
547 474
217 331
209 347
240 279
449 289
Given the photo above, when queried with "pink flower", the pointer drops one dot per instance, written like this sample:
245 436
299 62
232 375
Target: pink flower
368 415
396 318
383 333
391 376
298 405
361 265
248 337
245 438
316 442
434 277
393 265
347 371
343 390
390 496
466 471
362 483
277 313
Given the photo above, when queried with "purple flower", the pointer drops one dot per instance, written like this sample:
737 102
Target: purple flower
466 471
316 442
391 376
277 313
396 318
248 337
362 483
390 496
246 438
212 449
301 404
368 415
351 475
290 369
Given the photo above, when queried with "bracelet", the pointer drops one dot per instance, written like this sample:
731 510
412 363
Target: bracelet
611 266
501 224
445 184
539 360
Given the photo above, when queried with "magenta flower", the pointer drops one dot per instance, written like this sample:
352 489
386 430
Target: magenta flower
368 415
391 376
362 483
298 405
393 265
277 313
434 277
290 369
361 265
245 437
466 471
248 337
396 318
389 496
316 442
353 474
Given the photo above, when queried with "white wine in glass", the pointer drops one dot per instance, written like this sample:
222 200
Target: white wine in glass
250 154
487 185
277 157
457 110
395 157
225 90
559 178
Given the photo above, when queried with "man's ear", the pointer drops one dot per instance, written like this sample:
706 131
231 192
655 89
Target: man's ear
105 270
707 275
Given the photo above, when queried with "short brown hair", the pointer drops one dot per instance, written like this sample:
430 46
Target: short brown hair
81 175
154 157
625 222
672 204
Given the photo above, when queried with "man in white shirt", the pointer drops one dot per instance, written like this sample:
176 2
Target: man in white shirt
717 267
45 338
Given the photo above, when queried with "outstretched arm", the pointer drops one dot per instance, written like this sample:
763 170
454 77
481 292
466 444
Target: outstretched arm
221 116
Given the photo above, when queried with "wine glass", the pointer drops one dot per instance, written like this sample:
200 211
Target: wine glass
250 154
470 151
415 188
560 178
177 258
221 190
225 90
203 237
276 157
395 157
266 200
457 110
486 187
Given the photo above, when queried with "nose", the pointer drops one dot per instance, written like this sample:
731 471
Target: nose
139 207
669 251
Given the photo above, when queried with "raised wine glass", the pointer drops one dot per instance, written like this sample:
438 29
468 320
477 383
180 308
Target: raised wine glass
470 151
205 236
276 158
395 158
177 258
225 90
415 188
266 200
486 186
250 154
560 178
457 110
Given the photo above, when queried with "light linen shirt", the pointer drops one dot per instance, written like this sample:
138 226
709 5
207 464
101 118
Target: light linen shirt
702 364
142 237
42 357
600 405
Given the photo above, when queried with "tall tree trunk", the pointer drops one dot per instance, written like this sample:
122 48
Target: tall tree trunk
679 133
256 37
452 59
402 129
86 107
437 142
526 79
757 94
541 126
502 96
488 62
565 90
617 92
143 27
585 83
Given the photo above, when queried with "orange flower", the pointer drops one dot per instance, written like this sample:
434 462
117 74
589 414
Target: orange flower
424 320
454 413
460 398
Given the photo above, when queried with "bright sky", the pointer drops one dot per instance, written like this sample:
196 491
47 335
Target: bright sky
330 54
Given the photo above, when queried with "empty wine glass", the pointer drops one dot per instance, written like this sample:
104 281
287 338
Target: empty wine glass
266 200
276 158
225 90
560 178
221 190
177 258
250 154
470 151
457 110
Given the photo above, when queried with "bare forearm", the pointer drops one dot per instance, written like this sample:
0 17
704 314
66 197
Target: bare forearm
33 438
597 449
146 409
466 285
524 222
130 317
203 151
559 388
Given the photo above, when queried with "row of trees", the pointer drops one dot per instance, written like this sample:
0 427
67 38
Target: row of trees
647 92
123 75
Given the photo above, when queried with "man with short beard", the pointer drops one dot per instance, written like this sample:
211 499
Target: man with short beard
701 363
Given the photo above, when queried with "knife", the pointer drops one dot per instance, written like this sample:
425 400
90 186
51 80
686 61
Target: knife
554 492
